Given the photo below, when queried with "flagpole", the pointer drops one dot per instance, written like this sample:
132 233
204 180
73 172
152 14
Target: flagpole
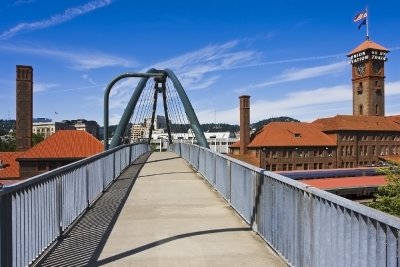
366 10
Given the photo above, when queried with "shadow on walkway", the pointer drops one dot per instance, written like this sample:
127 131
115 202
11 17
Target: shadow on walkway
164 241
83 243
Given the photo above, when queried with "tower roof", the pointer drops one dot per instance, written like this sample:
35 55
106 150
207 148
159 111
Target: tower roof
367 44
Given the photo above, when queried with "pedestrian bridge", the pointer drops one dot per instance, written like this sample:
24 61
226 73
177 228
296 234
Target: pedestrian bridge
187 207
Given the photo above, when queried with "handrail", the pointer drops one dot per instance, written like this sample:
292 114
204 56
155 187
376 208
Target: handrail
306 225
37 211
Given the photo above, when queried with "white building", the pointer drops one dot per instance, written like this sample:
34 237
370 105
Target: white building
217 141
48 128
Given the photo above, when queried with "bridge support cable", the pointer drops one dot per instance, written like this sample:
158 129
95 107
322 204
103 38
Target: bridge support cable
164 93
179 121
153 114
140 114
132 102
201 139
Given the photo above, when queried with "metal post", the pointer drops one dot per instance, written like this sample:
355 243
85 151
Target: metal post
6 230
59 205
201 139
153 115
166 116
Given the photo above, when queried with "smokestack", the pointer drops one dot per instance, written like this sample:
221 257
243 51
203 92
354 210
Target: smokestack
244 123
24 107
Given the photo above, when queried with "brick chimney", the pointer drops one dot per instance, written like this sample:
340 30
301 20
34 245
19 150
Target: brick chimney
24 107
244 123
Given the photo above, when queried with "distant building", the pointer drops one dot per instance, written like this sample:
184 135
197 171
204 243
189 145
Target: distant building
41 120
91 127
48 128
142 130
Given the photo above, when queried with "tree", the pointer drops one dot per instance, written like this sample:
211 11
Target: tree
9 144
36 138
387 199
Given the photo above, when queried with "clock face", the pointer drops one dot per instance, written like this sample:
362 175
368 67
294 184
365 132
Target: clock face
360 68
377 66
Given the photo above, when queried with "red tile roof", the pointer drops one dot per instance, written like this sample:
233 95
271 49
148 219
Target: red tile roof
65 144
11 166
346 182
358 123
368 44
236 144
286 134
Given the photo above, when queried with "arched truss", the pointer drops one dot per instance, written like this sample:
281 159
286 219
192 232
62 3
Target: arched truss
160 77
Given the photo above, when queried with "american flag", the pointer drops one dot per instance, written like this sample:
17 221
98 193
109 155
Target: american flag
360 16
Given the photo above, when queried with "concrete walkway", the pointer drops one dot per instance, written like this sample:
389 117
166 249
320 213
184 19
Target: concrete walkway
172 217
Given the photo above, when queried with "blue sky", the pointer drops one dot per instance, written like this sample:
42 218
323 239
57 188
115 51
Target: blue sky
289 56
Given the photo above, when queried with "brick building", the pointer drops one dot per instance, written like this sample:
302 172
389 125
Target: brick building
343 141
61 148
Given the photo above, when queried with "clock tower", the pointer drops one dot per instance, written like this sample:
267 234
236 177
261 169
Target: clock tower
368 79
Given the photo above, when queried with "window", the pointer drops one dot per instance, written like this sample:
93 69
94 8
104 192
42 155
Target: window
42 166
376 110
273 167
284 167
374 150
320 165
360 109
290 167
359 88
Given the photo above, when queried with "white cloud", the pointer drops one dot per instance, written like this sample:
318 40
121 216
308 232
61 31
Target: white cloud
68 14
297 104
42 87
300 74
88 78
306 105
82 60
193 69
392 88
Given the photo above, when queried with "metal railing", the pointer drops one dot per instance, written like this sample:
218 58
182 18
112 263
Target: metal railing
305 225
36 211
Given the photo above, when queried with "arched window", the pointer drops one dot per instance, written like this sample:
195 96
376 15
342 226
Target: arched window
360 109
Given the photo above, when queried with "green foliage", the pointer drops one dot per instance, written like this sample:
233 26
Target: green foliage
36 139
219 127
9 145
387 199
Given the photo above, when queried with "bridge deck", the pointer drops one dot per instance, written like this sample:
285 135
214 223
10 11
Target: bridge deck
171 217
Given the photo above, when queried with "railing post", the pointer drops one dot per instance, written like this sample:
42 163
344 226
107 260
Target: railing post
59 205
87 187
259 179
113 166
6 241
230 181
